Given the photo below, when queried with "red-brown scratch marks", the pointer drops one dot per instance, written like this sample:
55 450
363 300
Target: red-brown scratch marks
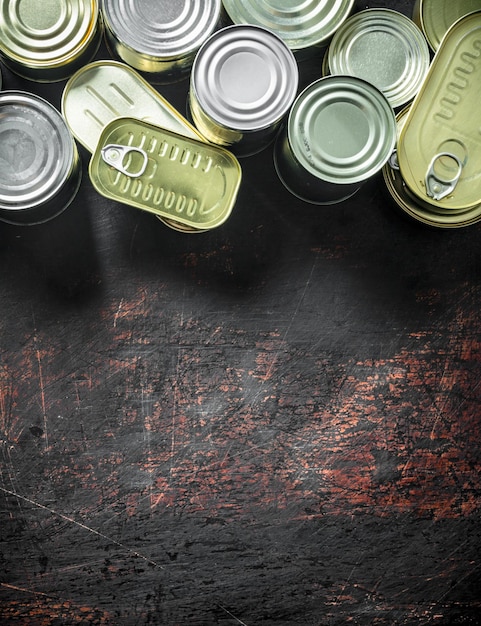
42 395
8 398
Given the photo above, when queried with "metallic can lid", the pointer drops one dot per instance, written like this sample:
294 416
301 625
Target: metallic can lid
341 129
438 150
36 150
105 90
435 17
245 78
385 48
300 23
162 29
46 33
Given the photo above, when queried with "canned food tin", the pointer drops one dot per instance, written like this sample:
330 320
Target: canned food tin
414 207
438 150
159 37
435 17
385 48
39 164
105 90
165 173
48 40
340 131
301 24
244 80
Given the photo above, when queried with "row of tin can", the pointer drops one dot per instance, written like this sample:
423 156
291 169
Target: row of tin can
330 138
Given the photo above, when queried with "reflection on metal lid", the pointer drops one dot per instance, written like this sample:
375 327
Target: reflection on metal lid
439 147
185 180
300 23
105 90
47 39
245 78
342 129
385 48
435 17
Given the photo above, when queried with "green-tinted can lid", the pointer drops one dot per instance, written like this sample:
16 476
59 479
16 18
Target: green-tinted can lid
105 90
300 23
177 178
385 48
439 147
435 17
342 129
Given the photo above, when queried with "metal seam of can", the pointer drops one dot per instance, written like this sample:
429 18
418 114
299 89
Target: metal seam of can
300 24
48 40
340 131
384 47
40 168
161 38
434 17
244 80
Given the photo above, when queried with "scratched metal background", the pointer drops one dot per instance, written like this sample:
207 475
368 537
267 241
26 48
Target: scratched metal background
274 423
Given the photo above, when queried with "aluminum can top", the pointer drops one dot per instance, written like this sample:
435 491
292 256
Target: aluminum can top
435 17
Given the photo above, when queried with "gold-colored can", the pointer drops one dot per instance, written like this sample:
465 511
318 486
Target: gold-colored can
48 40
434 17
439 147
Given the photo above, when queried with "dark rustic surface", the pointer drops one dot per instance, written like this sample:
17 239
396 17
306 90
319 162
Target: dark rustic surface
273 423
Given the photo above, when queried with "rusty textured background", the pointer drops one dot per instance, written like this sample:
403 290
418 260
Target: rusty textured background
273 423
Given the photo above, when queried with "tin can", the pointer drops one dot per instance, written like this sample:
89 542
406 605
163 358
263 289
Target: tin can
415 208
168 174
40 168
434 17
384 47
48 40
159 38
301 24
438 149
340 131
244 80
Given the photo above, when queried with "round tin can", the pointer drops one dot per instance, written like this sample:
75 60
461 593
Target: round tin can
384 47
340 131
301 24
40 168
414 207
159 37
48 40
434 17
244 80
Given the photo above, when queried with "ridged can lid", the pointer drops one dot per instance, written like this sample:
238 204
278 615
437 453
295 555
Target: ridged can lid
244 78
341 129
37 151
439 147
435 17
151 34
300 23
385 48
43 39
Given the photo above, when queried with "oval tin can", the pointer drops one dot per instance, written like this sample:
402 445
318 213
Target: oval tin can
244 80
435 17
384 47
159 37
173 176
48 40
340 131
40 168
301 24
439 146
413 207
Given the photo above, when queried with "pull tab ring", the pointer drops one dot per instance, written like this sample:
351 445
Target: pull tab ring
115 155
438 187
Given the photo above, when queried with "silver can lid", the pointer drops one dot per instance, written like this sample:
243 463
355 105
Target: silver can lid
245 78
342 129
162 29
36 150
385 48
300 23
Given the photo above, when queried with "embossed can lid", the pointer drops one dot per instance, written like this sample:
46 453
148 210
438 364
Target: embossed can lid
435 17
